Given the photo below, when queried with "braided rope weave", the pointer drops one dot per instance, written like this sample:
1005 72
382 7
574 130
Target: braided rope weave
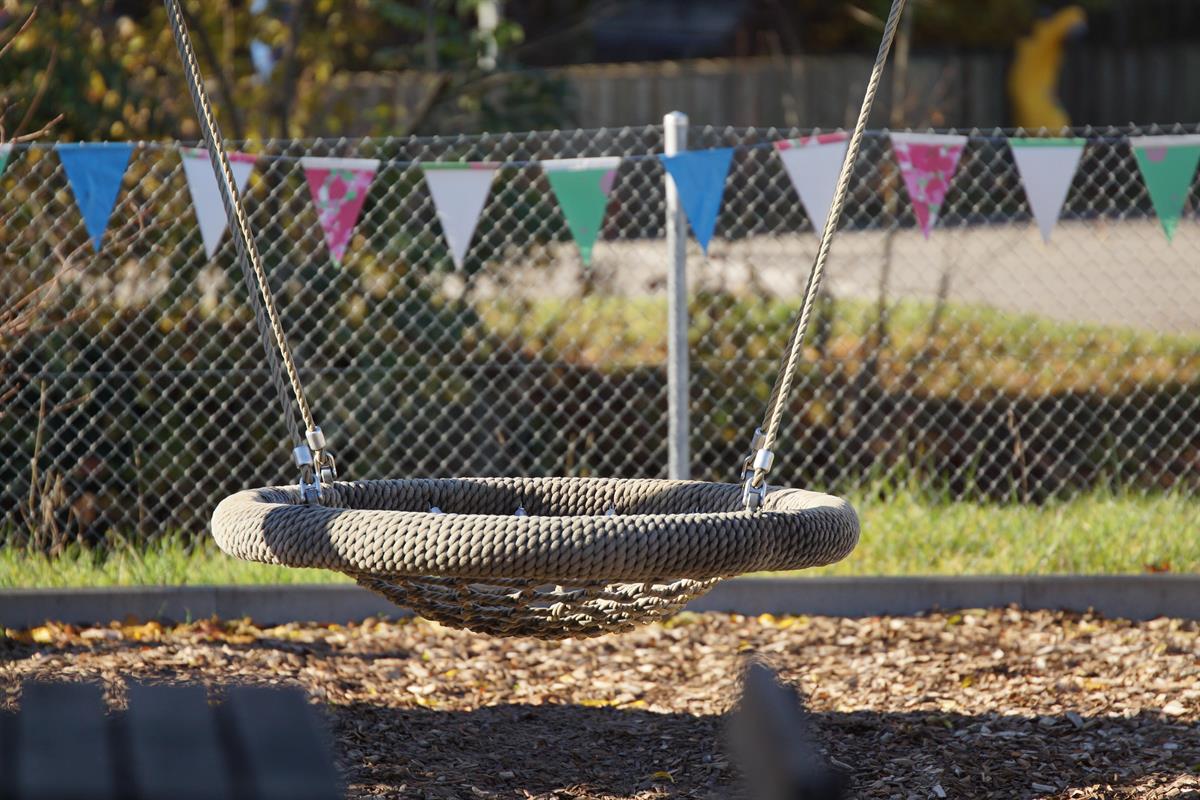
567 569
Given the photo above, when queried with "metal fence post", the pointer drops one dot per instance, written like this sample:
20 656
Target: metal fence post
675 126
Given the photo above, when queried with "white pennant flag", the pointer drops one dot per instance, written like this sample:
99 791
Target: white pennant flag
1047 167
814 164
459 190
206 197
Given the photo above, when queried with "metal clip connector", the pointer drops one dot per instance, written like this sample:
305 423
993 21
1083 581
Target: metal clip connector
310 480
328 470
757 463
303 456
753 496
756 443
317 466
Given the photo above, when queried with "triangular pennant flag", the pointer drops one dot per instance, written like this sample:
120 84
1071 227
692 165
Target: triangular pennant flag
95 171
459 190
206 196
1046 167
582 186
927 163
814 164
339 187
699 177
1168 164
5 151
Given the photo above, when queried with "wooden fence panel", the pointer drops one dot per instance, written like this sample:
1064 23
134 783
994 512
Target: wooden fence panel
1100 86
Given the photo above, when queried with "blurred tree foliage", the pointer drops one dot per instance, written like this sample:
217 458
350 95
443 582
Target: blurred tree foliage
114 73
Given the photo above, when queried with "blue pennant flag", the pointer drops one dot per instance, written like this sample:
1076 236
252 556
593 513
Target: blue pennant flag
95 172
699 177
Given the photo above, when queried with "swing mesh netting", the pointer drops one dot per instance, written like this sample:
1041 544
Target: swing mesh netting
518 607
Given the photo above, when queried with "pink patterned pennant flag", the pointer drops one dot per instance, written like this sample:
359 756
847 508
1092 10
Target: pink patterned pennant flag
339 187
927 163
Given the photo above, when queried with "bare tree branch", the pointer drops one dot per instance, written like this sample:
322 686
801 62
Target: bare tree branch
24 26
41 93
291 66
428 103
864 17
39 133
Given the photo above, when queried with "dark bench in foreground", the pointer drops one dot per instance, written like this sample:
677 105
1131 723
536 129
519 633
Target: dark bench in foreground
172 744
269 744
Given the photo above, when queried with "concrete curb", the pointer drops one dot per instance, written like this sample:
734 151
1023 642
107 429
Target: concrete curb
1125 596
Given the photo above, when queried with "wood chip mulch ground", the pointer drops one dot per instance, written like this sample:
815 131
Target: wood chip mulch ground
996 704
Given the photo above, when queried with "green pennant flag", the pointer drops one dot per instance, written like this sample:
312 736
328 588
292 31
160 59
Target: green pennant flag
5 150
582 186
1168 164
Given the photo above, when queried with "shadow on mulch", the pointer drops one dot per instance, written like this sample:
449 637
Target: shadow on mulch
575 751
1008 754
541 750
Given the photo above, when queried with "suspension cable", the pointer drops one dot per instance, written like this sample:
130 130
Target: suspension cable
310 452
761 458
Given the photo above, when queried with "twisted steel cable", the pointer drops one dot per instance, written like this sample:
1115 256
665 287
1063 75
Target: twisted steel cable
266 315
783 381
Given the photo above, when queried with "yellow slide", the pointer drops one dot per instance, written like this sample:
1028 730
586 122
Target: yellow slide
1033 78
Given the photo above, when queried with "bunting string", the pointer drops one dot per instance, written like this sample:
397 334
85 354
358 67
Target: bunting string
339 187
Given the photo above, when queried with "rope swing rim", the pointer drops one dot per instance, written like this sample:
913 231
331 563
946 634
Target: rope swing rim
661 529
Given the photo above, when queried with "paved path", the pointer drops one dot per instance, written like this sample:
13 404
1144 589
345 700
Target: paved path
1116 273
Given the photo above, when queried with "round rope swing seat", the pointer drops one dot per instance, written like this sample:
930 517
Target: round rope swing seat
546 557
589 556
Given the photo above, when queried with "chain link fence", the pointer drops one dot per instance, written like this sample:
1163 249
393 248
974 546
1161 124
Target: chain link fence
982 364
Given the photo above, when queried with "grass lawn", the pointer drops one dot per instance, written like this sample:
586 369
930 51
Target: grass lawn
970 349
903 535
1094 533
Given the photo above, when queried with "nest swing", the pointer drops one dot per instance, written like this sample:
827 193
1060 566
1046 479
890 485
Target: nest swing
580 556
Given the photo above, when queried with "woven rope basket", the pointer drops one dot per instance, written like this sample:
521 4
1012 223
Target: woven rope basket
592 556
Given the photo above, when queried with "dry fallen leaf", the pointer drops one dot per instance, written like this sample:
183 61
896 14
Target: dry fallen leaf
1174 709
